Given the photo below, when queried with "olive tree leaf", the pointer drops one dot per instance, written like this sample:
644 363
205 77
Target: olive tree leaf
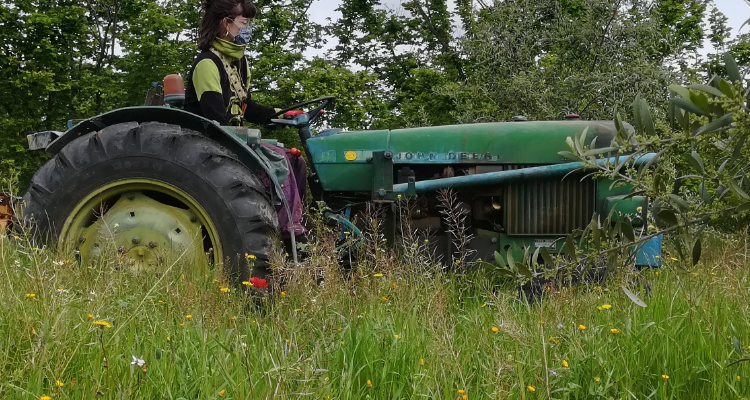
633 297
716 124
732 70
666 217
680 90
696 251
687 106
696 161
708 89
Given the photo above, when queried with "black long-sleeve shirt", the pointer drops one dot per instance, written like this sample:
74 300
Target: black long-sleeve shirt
209 92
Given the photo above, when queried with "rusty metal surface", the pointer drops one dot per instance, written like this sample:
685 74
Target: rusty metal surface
6 211
551 206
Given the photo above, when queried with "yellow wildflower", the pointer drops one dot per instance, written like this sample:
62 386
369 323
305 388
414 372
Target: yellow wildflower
283 293
597 380
90 316
246 283
377 275
393 285
396 336
182 324
59 384
369 383
182 276
103 324
287 341
224 290
461 391
606 306
232 318
221 392
384 298
340 329
465 397
565 363
673 258
541 322
189 316
581 327
665 377
421 361
45 398
614 331
553 340
656 273
251 256
30 295
738 378
495 329
169 339
531 389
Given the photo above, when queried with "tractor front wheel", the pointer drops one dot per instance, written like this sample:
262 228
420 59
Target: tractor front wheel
155 193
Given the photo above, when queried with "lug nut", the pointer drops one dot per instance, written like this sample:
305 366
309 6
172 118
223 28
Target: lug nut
494 240
131 197
136 240
152 244
193 218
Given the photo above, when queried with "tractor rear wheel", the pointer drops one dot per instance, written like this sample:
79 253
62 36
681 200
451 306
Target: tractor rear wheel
156 193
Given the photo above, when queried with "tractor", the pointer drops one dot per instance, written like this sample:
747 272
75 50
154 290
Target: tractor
162 183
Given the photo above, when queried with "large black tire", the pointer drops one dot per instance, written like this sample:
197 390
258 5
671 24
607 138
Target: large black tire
233 197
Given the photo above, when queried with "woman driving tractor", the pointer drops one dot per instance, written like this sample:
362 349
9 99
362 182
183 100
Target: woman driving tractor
218 82
218 89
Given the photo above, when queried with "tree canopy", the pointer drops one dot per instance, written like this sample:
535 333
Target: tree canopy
428 62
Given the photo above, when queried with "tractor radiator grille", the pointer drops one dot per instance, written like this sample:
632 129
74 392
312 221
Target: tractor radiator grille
548 206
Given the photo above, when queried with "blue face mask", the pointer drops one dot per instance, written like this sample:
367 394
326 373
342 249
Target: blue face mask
243 37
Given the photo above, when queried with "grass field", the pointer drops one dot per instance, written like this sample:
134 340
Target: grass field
408 333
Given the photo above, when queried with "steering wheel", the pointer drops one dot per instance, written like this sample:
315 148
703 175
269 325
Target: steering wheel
311 115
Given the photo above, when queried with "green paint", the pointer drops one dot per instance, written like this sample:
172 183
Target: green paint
146 231
491 143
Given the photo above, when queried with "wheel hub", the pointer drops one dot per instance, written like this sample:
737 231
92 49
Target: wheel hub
148 232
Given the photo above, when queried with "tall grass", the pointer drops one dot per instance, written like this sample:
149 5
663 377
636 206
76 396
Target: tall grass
414 332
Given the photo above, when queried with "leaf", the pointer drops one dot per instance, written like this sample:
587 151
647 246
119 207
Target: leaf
696 251
648 121
548 261
704 193
668 217
716 124
731 66
700 100
681 203
680 90
737 345
499 260
707 89
687 106
696 161
627 230
726 88
742 208
737 190
570 248
738 148
633 297
511 261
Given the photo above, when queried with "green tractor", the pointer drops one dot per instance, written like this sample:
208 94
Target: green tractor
161 183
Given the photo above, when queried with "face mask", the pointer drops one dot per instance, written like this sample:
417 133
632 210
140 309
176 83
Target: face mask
243 37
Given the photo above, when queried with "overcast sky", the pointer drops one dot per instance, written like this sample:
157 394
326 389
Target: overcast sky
738 11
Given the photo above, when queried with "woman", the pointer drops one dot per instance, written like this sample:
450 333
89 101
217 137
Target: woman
217 90
218 82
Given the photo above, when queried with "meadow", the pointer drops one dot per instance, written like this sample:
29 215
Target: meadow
388 330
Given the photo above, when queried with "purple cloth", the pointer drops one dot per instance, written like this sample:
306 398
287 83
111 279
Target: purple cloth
294 189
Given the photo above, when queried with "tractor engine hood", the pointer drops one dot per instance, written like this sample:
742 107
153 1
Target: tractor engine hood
342 160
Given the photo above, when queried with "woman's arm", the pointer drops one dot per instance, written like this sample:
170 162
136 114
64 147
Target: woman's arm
256 113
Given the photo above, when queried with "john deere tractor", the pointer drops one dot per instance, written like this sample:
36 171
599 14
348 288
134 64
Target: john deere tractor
162 183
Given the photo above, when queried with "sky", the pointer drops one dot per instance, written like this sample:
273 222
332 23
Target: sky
738 11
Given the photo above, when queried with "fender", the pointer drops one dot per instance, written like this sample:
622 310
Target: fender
165 115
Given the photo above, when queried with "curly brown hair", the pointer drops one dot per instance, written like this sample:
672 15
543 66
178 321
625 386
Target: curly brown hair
213 13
